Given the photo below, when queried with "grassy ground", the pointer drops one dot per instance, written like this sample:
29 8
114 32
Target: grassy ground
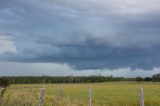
103 94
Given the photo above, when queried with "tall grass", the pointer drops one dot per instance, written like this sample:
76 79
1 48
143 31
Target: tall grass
103 94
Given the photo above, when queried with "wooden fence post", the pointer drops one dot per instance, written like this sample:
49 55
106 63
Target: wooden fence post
141 93
41 96
61 93
1 89
89 96
2 92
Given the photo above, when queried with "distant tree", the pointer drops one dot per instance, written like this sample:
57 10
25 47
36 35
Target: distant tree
4 82
3 85
147 79
138 79
156 77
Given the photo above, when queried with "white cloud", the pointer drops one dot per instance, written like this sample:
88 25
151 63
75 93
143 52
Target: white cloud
6 45
24 69
128 72
55 69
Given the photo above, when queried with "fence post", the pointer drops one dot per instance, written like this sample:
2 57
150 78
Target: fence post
2 92
41 96
61 93
1 89
89 96
141 93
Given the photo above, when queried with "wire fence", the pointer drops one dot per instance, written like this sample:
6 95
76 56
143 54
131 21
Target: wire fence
88 93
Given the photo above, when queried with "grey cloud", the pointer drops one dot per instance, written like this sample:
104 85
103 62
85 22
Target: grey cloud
21 69
84 34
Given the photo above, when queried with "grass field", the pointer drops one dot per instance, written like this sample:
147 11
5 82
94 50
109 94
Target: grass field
103 94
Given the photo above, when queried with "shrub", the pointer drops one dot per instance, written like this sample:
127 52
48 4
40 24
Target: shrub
138 79
4 82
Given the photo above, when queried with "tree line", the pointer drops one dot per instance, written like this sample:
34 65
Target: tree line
67 79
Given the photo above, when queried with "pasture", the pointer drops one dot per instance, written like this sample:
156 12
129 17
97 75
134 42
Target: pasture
103 94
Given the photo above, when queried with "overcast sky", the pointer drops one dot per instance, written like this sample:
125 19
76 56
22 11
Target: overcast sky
80 37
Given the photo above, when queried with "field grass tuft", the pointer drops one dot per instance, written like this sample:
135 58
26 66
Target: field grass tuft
103 94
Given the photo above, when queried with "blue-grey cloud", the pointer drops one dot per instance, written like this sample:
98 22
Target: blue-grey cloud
86 34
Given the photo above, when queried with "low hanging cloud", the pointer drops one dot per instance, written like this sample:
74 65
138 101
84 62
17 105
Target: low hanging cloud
85 34
52 69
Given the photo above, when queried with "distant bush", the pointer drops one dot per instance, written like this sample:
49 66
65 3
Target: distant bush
62 79
4 82
156 78
147 79
139 79
3 85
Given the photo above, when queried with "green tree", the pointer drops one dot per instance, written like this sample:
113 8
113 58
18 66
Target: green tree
147 79
138 79
3 86
4 82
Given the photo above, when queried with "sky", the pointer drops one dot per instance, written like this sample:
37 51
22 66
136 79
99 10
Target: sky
80 37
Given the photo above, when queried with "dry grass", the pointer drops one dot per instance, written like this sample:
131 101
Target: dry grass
104 94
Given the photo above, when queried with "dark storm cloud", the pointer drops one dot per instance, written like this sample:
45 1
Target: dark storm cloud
84 34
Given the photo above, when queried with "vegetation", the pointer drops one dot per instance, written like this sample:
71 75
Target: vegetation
103 94
4 82
139 79
69 79
112 91
156 78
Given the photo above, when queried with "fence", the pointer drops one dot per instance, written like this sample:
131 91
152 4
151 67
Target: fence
2 91
42 93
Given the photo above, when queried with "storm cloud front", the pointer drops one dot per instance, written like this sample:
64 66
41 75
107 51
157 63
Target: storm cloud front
84 35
